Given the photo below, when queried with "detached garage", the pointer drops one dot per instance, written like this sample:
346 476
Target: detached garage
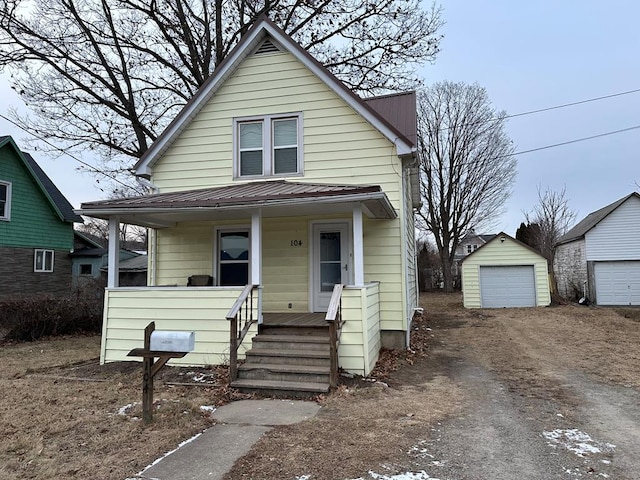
600 257
505 273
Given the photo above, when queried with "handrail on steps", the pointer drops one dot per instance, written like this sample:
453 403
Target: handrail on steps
242 310
334 318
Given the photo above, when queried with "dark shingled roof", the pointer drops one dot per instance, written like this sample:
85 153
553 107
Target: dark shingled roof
60 203
592 220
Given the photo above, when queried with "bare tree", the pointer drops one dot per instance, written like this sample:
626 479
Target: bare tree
109 75
553 217
467 165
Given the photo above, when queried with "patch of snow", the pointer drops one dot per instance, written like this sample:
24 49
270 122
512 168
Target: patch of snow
575 441
207 408
422 475
127 408
606 462
303 477
603 475
419 450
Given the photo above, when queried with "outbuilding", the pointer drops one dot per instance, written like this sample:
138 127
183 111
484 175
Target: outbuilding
505 272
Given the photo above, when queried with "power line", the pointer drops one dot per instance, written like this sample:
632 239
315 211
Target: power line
572 141
88 165
594 99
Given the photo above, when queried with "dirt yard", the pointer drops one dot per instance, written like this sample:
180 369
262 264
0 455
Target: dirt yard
63 416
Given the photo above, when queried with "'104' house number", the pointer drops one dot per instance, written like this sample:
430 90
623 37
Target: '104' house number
296 243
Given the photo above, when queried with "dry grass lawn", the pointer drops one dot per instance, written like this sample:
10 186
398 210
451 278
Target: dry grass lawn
62 416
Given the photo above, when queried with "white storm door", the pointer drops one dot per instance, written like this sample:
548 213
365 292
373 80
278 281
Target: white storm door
330 261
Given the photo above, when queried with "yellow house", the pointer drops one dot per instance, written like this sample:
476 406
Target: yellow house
505 272
274 184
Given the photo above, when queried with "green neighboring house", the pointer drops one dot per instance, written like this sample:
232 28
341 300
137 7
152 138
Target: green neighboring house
36 227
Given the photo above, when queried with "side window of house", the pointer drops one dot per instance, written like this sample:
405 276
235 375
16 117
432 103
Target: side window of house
43 261
86 269
468 249
5 200
475 247
233 257
268 146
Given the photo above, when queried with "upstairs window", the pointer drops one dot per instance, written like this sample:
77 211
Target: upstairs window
5 200
43 261
268 146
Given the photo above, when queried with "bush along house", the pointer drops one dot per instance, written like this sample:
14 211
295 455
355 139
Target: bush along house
36 228
283 199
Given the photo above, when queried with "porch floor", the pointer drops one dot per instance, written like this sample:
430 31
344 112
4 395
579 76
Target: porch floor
304 319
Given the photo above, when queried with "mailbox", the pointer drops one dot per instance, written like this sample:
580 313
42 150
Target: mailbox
166 341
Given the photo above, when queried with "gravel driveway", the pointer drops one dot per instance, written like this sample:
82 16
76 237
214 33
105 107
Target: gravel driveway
531 410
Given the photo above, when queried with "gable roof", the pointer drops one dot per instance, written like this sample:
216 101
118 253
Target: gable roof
497 238
591 220
262 29
57 200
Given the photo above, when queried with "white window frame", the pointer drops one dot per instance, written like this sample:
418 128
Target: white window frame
268 166
44 253
6 215
216 247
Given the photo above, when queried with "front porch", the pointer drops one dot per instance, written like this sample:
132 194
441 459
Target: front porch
204 310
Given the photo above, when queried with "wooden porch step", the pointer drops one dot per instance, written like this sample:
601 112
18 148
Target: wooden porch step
288 356
282 342
281 388
299 331
284 372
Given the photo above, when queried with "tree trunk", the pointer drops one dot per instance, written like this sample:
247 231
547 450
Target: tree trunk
447 274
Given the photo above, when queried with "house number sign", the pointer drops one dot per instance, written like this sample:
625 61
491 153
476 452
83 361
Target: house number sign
296 243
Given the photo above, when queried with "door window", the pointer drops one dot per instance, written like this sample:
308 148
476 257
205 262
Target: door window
233 258
330 260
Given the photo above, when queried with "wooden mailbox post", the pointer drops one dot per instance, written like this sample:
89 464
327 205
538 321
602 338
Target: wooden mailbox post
152 366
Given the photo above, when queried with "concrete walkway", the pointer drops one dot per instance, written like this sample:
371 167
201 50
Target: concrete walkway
238 426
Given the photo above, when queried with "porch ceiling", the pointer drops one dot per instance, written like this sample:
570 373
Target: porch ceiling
275 198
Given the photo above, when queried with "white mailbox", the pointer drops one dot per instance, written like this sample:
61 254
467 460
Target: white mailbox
166 341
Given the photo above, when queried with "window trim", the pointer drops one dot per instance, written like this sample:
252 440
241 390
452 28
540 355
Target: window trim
7 205
216 246
268 157
44 263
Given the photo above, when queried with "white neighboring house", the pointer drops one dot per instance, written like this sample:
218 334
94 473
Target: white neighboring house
600 257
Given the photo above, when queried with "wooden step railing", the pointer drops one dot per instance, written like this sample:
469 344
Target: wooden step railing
334 318
241 316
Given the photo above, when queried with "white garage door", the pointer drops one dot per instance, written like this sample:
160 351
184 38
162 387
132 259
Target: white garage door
512 286
617 283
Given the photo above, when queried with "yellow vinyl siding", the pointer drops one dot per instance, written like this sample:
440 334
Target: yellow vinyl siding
202 310
339 147
360 338
497 253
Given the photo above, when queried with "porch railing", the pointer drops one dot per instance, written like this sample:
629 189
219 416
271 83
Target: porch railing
241 316
334 318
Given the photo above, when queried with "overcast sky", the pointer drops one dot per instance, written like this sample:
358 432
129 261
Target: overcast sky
528 55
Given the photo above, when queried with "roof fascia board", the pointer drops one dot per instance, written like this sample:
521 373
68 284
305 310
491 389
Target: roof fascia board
57 211
144 167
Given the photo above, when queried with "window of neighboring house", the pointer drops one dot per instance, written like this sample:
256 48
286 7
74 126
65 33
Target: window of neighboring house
233 257
475 247
5 200
468 249
86 269
268 146
43 261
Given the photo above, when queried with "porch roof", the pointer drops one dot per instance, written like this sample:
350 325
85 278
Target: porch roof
277 198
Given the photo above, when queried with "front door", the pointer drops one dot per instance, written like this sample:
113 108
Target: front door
330 261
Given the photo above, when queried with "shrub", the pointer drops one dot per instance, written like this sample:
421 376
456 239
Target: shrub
33 317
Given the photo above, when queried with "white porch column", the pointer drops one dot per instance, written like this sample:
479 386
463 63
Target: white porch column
358 247
114 253
256 247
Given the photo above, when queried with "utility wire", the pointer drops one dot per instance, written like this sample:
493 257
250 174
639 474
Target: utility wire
572 141
530 112
42 139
